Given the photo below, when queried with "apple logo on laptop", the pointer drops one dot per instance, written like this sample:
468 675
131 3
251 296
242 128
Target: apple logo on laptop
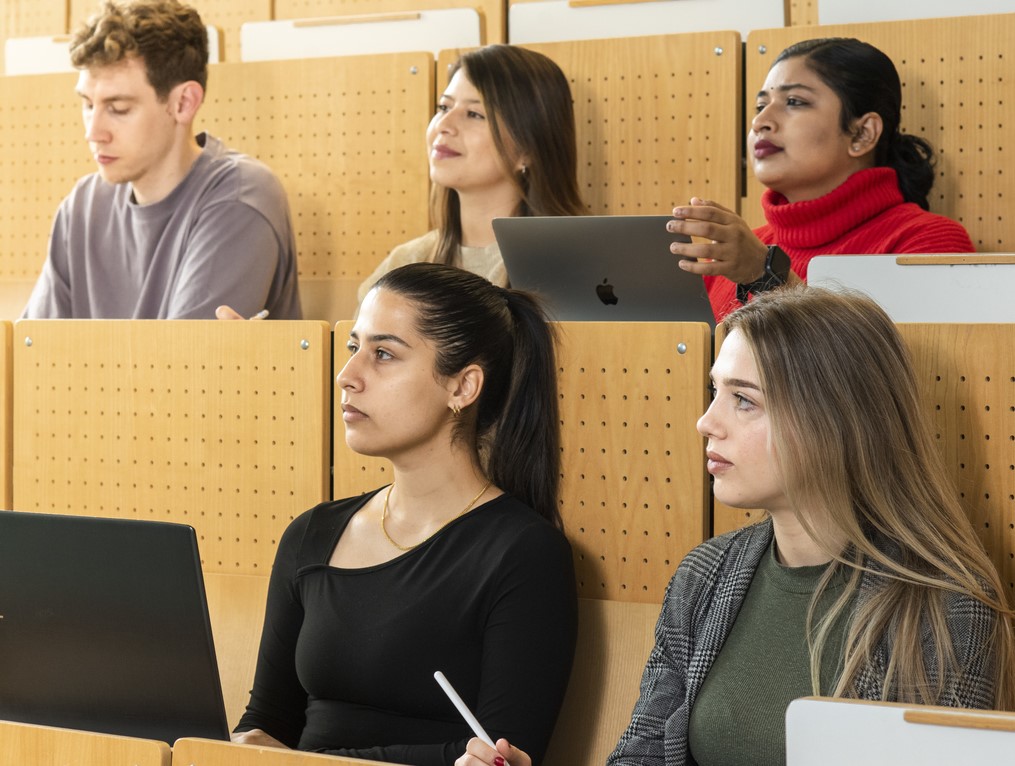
605 293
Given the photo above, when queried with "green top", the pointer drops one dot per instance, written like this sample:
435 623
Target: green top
739 716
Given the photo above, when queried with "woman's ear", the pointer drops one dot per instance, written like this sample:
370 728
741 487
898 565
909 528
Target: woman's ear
465 387
866 134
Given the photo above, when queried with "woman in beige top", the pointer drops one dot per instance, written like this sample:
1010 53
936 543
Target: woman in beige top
502 143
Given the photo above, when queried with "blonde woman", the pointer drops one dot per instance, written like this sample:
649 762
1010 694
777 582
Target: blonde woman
866 581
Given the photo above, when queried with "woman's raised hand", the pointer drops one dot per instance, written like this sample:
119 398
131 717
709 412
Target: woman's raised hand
734 251
478 753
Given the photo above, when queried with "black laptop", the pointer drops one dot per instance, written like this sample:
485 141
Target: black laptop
602 267
104 627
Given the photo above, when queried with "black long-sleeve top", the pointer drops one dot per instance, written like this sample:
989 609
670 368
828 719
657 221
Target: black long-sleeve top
347 656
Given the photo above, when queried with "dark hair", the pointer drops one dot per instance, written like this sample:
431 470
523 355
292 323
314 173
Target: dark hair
865 80
529 109
168 36
515 420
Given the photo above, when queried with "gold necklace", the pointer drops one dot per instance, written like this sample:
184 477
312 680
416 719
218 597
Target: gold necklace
465 510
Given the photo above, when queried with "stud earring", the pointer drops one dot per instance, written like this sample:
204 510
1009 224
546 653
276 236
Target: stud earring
455 410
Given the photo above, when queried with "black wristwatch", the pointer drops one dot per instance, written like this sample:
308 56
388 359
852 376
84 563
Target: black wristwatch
776 275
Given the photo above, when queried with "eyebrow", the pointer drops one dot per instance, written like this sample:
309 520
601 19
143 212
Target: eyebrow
107 99
381 338
737 383
788 86
464 100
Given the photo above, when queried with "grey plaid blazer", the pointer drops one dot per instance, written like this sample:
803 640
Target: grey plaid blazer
699 608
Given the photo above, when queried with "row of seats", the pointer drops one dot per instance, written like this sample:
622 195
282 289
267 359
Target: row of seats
659 119
229 427
518 21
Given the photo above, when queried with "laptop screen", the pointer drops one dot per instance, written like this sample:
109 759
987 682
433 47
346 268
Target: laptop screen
104 627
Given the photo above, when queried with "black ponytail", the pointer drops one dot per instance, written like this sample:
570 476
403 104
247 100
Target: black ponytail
913 160
865 80
525 453
515 421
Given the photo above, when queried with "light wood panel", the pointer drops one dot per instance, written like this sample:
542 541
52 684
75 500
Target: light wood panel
206 752
614 641
346 138
493 13
966 374
634 495
634 491
958 94
220 425
42 154
656 118
802 13
236 608
22 743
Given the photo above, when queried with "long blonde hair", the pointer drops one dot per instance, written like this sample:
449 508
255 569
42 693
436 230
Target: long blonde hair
851 438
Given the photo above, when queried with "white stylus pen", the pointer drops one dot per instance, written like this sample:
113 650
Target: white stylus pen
463 709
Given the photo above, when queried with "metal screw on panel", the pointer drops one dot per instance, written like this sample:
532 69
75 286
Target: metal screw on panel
28 341
681 348
762 49
718 51
304 344
413 70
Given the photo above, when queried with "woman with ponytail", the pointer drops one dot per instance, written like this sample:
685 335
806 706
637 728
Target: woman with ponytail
459 565
841 177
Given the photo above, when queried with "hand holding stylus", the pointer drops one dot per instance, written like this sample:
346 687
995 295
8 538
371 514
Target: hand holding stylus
481 749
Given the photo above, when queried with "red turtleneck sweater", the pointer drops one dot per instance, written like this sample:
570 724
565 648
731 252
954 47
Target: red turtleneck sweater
865 215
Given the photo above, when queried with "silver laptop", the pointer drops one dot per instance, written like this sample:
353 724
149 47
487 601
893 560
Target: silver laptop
602 268
104 627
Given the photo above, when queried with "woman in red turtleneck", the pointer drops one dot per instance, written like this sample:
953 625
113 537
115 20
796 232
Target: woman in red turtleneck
841 177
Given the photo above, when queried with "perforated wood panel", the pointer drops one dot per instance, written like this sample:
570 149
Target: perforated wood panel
967 378
493 13
656 118
634 486
958 94
803 13
967 372
42 154
346 138
223 426
27 18
227 15
634 492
